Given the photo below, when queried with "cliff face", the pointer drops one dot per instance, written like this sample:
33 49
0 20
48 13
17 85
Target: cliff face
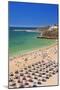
50 33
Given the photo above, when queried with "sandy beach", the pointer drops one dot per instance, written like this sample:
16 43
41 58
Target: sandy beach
33 45
31 62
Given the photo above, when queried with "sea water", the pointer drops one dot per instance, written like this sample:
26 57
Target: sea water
21 42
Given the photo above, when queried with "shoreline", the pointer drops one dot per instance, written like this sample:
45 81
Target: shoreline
33 56
32 62
32 50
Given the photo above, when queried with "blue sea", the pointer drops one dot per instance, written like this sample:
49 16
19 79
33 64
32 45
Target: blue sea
21 42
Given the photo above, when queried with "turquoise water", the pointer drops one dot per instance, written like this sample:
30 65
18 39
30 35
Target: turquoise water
21 42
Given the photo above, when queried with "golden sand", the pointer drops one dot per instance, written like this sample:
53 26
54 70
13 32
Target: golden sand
46 54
